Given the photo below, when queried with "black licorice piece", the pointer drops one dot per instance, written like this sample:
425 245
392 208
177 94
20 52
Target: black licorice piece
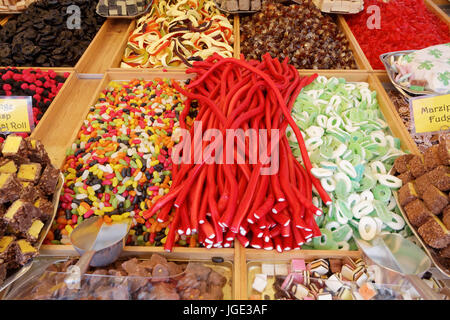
217 259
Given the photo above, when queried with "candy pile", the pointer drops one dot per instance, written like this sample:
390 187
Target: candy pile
133 279
404 25
425 195
401 103
40 35
330 279
177 33
41 85
263 200
27 183
120 162
309 38
352 153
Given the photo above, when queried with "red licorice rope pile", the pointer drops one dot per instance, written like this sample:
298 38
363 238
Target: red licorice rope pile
404 25
222 202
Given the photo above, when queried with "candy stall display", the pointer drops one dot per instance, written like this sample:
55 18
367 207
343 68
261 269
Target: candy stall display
28 198
352 151
424 197
177 33
300 32
41 85
150 278
326 279
401 25
229 140
40 36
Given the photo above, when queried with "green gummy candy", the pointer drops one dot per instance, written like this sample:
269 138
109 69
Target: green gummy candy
382 212
344 208
381 193
341 189
343 233
366 183
325 242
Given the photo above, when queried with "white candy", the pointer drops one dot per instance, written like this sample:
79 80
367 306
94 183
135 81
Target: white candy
260 282
321 172
313 143
347 168
328 184
367 228
398 223
389 181
362 209
314 131
367 195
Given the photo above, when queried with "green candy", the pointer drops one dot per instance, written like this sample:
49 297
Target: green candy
381 193
325 242
343 233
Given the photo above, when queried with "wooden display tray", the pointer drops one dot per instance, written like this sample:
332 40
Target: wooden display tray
383 80
71 108
111 41
430 4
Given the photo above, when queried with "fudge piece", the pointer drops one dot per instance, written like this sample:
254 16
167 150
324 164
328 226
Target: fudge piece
15 148
440 177
30 192
434 233
444 151
435 200
164 291
49 179
36 152
335 265
199 270
46 208
416 166
406 194
216 279
160 272
10 187
32 234
244 5
24 251
421 184
29 172
446 217
20 215
7 247
431 158
417 212
7 166
401 163
406 177
445 253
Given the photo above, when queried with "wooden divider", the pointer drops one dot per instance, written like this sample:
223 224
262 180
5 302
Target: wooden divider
103 51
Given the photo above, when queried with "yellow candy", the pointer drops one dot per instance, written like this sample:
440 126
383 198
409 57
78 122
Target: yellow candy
139 163
98 213
70 176
115 182
81 190
69 228
71 170
116 217
163 240
82 210
92 198
155 162
108 209
135 184
90 190
125 215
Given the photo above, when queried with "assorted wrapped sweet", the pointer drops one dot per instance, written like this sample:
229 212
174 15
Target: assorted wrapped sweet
425 69
299 32
27 184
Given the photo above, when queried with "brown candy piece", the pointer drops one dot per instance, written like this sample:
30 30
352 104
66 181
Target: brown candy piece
36 151
407 193
10 187
401 163
417 212
49 179
435 200
434 233
416 166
